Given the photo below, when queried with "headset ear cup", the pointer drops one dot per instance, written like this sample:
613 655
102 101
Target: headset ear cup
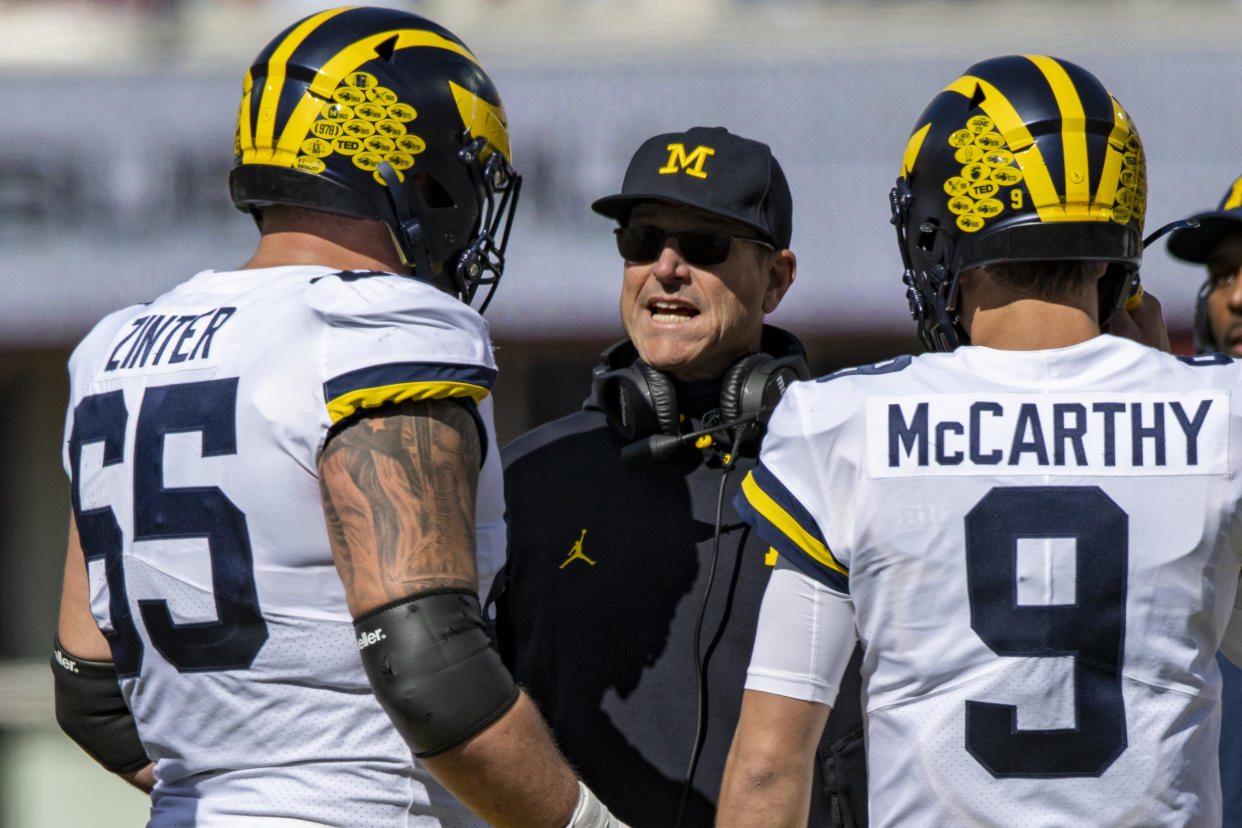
1205 342
733 386
661 397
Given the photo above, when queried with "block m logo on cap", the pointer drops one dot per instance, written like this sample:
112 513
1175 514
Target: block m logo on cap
692 164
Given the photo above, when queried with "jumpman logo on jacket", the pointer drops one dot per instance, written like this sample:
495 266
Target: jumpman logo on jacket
576 552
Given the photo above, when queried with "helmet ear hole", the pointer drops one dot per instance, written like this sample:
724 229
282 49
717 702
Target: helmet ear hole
433 192
927 235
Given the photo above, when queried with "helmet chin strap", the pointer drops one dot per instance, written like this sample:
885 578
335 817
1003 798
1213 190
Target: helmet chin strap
408 231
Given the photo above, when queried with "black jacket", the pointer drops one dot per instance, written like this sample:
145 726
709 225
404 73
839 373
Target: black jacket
597 607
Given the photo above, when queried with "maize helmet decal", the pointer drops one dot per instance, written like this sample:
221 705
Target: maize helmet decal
1022 158
380 114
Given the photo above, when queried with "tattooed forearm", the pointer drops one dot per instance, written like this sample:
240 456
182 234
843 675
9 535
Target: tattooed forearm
399 493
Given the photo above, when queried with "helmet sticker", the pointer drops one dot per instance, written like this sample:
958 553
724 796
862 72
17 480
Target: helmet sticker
402 112
380 144
349 95
957 186
980 124
998 158
308 164
367 160
382 96
1006 176
347 146
358 128
961 138
970 222
317 147
1131 198
363 120
400 160
337 112
327 130
988 207
976 172
370 111
362 80
961 204
390 128
990 140
969 154
411 144
984 189
975 193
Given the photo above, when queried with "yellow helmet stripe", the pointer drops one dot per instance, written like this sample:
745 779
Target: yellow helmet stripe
483 119
342 64
1073 138
245 137
1113 160
266 126
1018 137
912 149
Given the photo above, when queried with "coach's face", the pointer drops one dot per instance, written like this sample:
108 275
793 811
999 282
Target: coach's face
694 320
1225 298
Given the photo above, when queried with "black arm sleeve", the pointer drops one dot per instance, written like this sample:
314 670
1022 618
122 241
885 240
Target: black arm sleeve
433 668
91 711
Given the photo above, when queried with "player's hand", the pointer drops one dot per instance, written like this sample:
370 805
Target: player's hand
1144 322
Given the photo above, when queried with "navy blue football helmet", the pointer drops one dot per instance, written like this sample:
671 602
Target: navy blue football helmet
379 114
1022 158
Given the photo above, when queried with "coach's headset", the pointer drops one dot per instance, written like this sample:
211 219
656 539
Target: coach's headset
640 402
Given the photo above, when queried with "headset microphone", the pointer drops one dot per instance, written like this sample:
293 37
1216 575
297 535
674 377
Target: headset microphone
659 447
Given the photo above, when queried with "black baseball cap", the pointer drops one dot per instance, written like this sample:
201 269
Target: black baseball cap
1195 244
713 170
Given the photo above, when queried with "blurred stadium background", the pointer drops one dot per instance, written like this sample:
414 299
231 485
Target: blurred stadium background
116 137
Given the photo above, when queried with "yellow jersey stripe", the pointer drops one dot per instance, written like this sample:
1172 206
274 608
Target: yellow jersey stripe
778 517
347 404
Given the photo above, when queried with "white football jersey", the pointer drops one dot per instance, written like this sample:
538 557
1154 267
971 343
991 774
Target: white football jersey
1041 551
192 440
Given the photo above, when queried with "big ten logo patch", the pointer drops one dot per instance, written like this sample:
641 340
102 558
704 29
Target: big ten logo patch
988 177
365 122
690 164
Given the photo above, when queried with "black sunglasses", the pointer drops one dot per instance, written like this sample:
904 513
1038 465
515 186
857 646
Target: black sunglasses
644 243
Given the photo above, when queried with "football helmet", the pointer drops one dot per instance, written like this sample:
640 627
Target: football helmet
379 114
1022 158
1195 242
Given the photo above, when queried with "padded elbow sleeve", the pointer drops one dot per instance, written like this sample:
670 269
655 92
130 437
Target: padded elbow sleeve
92 712
433 669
